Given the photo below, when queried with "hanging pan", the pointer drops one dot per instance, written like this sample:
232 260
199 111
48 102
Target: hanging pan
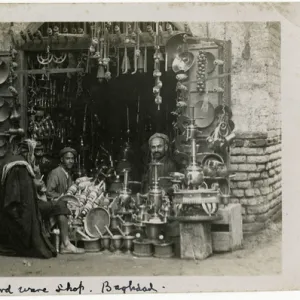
4 71
4 112
183 62
172 47
204 118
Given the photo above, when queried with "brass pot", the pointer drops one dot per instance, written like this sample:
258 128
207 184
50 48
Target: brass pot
142 248
92 245
117 242
105 242
163 250
128 242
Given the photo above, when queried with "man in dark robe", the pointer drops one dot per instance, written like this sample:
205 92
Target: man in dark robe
60 179
20 218
159 150
21 210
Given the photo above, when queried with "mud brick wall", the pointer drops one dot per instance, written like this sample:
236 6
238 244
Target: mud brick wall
256 160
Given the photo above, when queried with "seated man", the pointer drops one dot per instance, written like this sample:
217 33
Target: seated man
21 209
59 179
159 150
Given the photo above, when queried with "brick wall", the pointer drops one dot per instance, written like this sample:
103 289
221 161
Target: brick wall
256 160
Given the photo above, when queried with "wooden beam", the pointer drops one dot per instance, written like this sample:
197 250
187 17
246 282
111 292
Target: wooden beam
83 42
50 71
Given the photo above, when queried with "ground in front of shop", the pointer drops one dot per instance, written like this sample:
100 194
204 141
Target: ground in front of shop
261 255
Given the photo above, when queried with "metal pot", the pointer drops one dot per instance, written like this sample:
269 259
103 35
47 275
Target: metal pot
163 250
117 242
128 242
92 245
105 242
142 248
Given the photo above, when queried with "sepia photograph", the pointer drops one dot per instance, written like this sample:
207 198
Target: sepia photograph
139 148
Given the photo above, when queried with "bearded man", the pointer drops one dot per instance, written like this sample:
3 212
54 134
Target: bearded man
160 152
21 209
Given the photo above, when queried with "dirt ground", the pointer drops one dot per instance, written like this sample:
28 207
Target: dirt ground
261 255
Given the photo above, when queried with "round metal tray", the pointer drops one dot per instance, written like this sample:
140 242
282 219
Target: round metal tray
96 216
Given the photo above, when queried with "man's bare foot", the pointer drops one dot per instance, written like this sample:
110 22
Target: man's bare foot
71 249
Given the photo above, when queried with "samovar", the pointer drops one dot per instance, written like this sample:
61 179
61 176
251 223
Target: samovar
194 173
125 193
155 194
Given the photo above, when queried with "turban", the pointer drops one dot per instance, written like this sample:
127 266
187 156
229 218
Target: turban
67 150
159 135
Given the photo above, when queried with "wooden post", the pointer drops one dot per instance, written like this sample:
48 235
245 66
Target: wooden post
195 240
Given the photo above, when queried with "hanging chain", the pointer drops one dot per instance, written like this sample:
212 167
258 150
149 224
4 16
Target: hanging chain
80 76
